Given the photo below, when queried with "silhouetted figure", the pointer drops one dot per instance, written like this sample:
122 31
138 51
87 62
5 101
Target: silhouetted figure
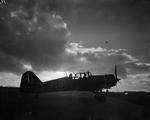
89 74
84 75
107 90
70 75
80 76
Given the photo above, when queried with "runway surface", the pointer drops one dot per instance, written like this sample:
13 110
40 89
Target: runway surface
72 105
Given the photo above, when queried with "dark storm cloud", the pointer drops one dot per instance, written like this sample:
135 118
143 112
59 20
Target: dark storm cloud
9 64
31 35
33 31
125 22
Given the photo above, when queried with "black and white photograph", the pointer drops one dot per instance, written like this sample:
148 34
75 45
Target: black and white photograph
74 60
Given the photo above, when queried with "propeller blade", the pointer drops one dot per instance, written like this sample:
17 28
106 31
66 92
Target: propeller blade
116 74
115 71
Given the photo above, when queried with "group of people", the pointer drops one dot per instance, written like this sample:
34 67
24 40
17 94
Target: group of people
80 75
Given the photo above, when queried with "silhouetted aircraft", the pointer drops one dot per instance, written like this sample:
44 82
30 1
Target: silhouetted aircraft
80 81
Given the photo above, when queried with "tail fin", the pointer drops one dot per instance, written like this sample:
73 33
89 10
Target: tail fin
29 82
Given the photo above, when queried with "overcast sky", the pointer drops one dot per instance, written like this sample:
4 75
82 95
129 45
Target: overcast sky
52 37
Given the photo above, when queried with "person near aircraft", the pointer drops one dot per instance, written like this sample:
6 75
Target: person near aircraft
84 75
89 74
70 75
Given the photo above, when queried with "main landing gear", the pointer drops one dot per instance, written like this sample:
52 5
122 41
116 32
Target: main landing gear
100 96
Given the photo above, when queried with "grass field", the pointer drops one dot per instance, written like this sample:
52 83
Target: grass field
73 105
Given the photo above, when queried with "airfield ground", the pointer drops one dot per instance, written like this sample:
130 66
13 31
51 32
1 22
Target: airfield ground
73 105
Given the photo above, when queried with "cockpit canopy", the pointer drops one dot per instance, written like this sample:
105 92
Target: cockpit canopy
80 75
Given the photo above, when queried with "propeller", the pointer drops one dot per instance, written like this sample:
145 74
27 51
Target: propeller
116 73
